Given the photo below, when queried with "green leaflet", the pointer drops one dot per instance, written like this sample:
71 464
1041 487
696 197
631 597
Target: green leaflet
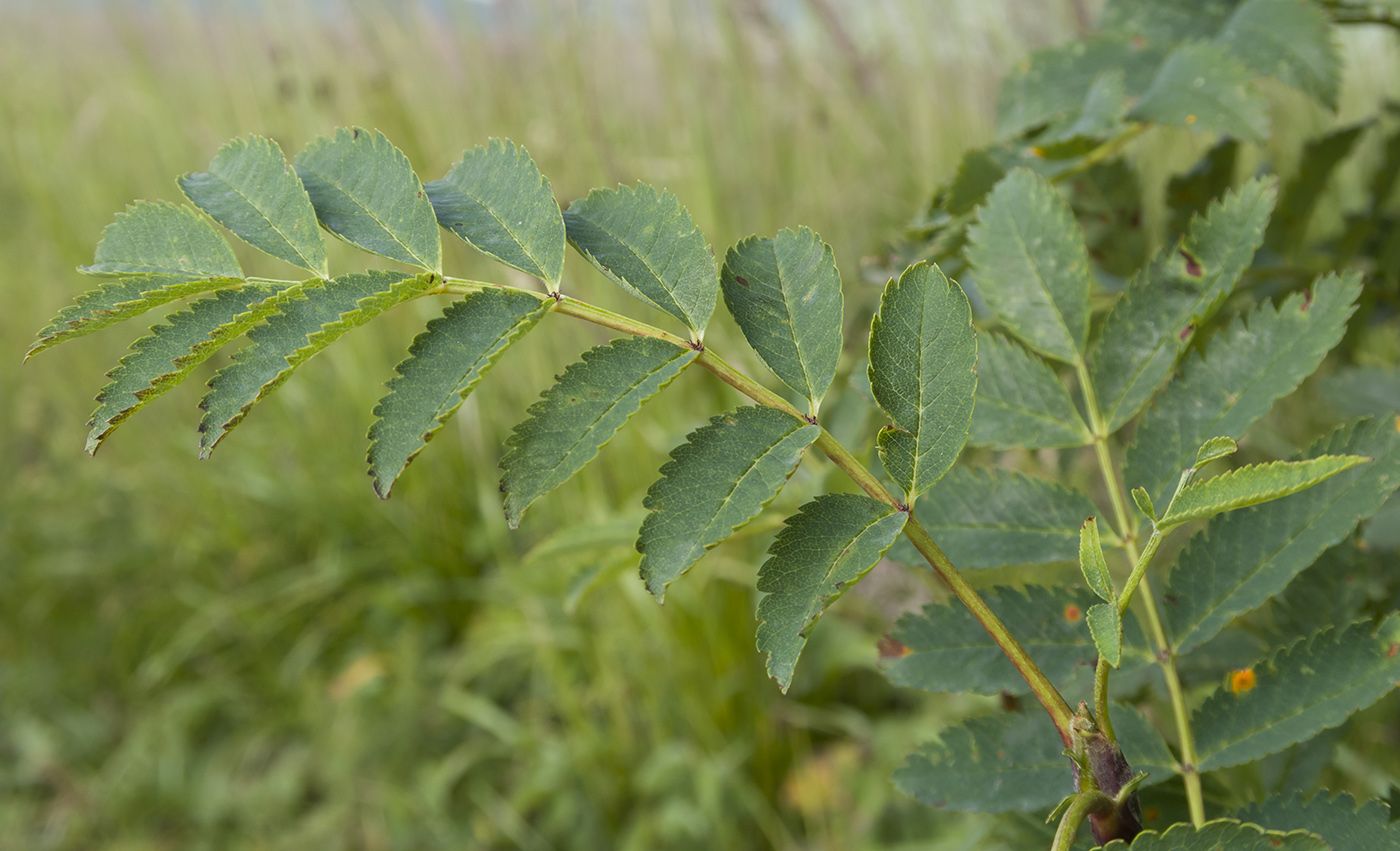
1245 557
1092 564
366 193
174 348
897 449
1332 591
1143 746
157 237
990 517
923 353
115 300
715 482
443 366
1252 485
1106 628
1360 391
646 243
305 323
1165 23
785 294
1289 41
1252 364
1149 327
1032 266
1321 156
949 651
1057 81
1020 401
1219 835
1312 685
824 549
496 200
1202 86
1338 820
1105 104
996 764
589 403
250 190
1214 449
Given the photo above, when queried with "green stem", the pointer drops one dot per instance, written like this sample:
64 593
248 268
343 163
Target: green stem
1084 804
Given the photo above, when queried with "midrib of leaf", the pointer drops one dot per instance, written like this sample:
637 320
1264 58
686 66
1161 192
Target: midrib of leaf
630 389
729 495
650 269
310 264
515 235
392 235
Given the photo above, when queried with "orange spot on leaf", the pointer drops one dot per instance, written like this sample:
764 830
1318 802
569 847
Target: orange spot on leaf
1392 650
1072 613
1242 680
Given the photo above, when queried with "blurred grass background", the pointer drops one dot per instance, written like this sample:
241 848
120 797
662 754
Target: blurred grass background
254 652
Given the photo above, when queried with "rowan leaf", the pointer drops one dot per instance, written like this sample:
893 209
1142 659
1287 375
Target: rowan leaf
995 764
174 348
1151 324
1020 401
1360 391
785 294
588 404
306 321
1056 82
718 480
923 354
444 364
1314 684
1252 485
497 201
1032 266
157 237
1253 363
1245 557
1289 41
991 517
1218 835
1339 820
118 299
1203 87
250 189
948 650
1106 628
1092 564
646 243
365 192
824 549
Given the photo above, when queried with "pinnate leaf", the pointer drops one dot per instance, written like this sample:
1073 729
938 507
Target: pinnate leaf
443 366
1219 835
1202 86
1020 401
1252 364
306 321
250 189
115 300
718 480
923 353
1245 557
1338 820
1001 763
157 237
173 349
1252 485
496 200
365 192
1289 41
1151 324
1107 630
1091 561
824 549
785 294
990 517
646 243
589 403
1314 684
1032 265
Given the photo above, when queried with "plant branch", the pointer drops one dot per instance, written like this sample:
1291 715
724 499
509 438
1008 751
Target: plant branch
1080 808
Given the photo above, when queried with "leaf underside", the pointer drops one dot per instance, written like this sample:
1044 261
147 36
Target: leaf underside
718 480
444 364
1020 401
157 237
119 299
1337 819
1218 835
824 549
588 404
1092 563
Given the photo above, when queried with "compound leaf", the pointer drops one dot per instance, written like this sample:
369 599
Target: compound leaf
1020 401
1289 41
718 480
496 200
1001 763
948 650
991 517
923 354
646 243
1221 834
1254 362
1314 684
1151 324
365 192
157 237
174 348
785 294
1032 265
588 404
250 189
115 300
443 366
306 321
1245 557
824 549
1338 820
1202 86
